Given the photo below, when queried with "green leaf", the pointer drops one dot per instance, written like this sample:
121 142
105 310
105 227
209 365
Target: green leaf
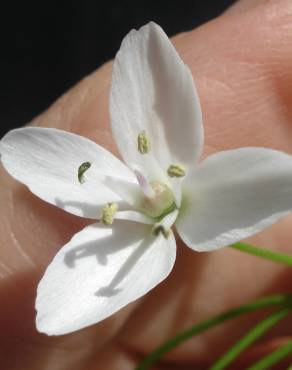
264 253
273 358
250 338
277 300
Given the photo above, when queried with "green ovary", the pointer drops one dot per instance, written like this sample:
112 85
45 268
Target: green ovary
160 204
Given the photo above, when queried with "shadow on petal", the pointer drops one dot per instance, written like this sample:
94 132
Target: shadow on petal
114 240
112 289
86 210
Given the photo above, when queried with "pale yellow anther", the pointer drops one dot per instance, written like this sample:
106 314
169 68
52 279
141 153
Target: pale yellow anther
108 213
176 170
143 143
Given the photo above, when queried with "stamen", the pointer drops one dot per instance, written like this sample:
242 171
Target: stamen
160 229
164 226
108 213
143 143
81 170
176 170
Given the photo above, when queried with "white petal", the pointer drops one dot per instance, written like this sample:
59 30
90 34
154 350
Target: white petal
98 272
234 194
47 161
134 216
130 192
176 186
153 90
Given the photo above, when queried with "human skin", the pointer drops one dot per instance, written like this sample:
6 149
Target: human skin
241 63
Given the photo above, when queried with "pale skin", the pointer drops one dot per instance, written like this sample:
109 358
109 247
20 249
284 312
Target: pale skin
241 63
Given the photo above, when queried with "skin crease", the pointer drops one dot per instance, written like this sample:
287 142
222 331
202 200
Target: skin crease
241 63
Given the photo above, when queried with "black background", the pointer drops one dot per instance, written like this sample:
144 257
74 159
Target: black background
48 46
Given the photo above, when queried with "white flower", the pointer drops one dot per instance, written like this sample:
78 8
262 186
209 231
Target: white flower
157 125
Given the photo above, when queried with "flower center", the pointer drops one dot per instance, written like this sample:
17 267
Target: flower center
160 204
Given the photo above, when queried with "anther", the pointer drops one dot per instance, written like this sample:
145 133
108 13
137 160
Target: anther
175 170
143 143
160 229
81 170
108 213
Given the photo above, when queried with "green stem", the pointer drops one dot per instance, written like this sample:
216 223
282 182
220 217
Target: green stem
273 358
277 300
250 338
264 253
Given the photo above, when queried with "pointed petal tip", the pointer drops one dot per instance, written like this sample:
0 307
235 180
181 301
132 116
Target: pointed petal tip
44 328
152 26
52 325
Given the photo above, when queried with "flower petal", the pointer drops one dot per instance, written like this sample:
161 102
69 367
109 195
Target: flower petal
98 272
234 194
134 216
47 161
153 91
